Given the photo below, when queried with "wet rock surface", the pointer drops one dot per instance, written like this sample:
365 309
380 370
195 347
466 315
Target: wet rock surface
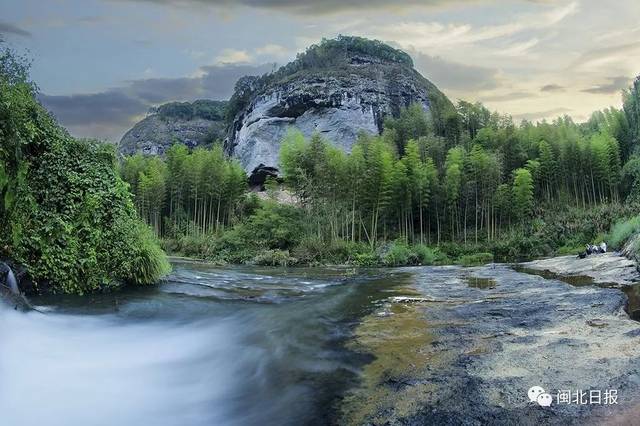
10 287
603 268
487 345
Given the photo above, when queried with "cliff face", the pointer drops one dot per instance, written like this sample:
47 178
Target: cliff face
193 124
343 92
339 88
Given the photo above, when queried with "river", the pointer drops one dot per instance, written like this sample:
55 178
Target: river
267 346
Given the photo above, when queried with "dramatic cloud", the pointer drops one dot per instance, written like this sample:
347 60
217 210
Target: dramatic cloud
603 56
552 88
616 84
233 56
455 76
514 96
540 115
7 28
113 106
273 50
320 6
108 114
436 35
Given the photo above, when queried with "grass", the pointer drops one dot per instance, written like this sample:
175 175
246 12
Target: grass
475 259
622 231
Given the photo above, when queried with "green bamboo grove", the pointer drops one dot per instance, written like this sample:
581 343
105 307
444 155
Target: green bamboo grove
409 184
187 192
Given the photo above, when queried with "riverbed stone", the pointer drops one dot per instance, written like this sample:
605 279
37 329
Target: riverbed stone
606 268
496 343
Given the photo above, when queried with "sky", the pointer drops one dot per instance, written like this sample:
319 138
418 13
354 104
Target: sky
101 64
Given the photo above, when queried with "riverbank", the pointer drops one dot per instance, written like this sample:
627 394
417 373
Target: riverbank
607 268
488 334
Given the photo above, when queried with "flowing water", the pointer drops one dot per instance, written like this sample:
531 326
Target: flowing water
209 347
268 346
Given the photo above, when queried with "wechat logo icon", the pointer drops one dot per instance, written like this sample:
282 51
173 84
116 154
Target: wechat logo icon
537 394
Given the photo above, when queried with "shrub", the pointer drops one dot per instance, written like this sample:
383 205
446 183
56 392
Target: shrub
569 249
274 258
310 250
427 255
366 259
475 259
622 231
398 254
274 226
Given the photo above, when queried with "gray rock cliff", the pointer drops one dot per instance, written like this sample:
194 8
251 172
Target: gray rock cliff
338 88
193 124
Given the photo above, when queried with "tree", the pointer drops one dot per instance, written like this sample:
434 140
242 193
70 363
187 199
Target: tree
548 169
631 105
66 214
452 184
411 124
522 193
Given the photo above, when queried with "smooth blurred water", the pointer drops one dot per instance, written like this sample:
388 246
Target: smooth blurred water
211 346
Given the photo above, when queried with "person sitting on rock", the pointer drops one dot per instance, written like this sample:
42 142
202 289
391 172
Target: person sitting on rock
603 247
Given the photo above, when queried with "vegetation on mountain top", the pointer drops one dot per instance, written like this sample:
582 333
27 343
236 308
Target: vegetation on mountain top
202 108
333 58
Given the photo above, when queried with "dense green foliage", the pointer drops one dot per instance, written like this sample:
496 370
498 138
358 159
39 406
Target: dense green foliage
187 192
332 52
202 108
493 190
65 213
622 231
408 184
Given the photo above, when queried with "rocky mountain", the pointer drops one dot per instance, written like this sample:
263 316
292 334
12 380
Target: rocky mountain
339 88
199 123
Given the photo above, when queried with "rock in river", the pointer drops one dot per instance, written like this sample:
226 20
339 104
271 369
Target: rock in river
607 268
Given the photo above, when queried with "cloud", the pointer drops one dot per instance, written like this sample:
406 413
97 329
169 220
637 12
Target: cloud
552 88
91 20
211 82
273 50
111 106
514 96
615 54
615 85
233 56
455 76
540 115
7 28
519 49
436 35
304 7
108 114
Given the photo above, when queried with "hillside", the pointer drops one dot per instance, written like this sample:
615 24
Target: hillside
199 123
338 88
